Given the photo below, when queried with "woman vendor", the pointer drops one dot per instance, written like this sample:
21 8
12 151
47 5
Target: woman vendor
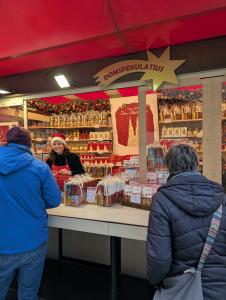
62 162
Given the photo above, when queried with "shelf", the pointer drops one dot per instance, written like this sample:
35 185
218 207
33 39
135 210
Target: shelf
88 140
183 121
39 140
82 140
179 121
69 141
87 152
75 127
181 137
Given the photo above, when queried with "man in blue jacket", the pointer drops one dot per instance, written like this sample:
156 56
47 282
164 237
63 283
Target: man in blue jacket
27 189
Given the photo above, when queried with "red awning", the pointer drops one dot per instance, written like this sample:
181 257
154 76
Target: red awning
44 33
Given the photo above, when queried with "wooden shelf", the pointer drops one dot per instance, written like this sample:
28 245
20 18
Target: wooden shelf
181 137
182 121
75 127
83 140
39 140
87 152
179 121
69 141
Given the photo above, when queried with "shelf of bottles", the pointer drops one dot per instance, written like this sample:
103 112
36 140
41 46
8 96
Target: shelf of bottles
87 132
180 119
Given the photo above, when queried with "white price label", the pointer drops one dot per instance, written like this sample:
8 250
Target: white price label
91 194
128 190
147 192
136 195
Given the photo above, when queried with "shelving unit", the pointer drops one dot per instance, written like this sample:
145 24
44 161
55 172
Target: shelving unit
181 119
93 142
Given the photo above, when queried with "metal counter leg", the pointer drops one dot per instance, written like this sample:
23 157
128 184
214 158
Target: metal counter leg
60 243
115 266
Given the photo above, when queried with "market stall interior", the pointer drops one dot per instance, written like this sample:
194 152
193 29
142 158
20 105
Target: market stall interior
102 128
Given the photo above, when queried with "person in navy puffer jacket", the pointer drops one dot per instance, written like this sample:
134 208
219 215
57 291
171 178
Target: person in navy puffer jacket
180 216
27 189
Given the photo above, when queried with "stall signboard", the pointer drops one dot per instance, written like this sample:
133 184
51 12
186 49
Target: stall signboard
158 69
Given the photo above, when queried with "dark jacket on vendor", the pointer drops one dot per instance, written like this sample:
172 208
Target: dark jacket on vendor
72 159
180 217
27 189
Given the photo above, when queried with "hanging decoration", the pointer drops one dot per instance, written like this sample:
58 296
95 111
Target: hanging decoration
179 95
81 106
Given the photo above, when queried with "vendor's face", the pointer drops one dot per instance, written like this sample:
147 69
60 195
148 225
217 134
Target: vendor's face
58 147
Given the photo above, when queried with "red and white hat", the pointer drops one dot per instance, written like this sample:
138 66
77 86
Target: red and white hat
59 137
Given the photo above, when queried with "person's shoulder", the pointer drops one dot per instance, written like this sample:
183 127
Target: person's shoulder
160 201
73 155
39 164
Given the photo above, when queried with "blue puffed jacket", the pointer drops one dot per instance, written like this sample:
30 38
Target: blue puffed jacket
179 220
27 188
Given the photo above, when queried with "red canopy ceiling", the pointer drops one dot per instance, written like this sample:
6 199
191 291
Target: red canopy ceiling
40 34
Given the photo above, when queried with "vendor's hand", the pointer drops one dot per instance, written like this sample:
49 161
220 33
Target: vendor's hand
65 172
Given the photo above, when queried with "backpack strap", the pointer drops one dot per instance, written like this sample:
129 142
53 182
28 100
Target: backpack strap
212 233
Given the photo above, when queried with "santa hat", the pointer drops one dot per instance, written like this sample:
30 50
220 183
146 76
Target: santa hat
59 137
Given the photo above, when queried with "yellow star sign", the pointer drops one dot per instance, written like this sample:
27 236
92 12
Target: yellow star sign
161 69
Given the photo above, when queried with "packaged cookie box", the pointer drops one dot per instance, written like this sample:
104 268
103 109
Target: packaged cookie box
73 194
109 191
132 195
104 196
139 196
88 188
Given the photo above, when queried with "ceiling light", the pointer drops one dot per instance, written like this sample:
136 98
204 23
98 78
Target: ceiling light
62 81
4 92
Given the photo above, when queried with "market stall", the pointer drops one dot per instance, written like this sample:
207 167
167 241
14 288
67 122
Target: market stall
123 167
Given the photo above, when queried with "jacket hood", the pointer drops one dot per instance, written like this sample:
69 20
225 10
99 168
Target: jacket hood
14 157
194 194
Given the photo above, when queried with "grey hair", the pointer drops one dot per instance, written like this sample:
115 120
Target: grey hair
181 158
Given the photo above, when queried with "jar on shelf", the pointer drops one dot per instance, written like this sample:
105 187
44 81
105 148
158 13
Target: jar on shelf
173 112
178 112
161 115
67 120
167 113
59 120
104 118
51 121
80 120
187 112
199 110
